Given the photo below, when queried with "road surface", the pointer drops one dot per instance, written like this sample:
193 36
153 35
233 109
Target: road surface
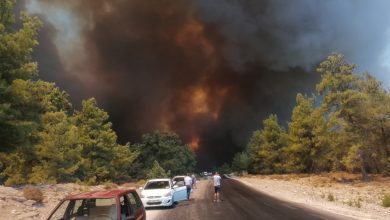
238 202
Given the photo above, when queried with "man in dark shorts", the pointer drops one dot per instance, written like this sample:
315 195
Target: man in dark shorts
217 186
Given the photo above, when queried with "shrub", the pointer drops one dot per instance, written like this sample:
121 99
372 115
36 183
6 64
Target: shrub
33 193
330 197
355 203
386 201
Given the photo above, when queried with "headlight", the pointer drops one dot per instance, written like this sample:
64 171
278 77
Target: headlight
168 194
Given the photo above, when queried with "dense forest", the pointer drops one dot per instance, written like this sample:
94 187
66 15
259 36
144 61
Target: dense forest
344 127
43 139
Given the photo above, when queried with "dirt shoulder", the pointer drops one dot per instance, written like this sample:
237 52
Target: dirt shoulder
13 205
339 193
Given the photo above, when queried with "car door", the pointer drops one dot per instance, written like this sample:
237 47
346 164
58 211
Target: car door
179 193
137 207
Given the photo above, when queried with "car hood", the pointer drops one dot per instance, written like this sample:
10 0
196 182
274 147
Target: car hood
155 192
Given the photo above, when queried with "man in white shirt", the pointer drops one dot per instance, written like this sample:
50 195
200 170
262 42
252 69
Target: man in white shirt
188 183
217 186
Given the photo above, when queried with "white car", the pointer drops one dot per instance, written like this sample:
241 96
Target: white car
162 192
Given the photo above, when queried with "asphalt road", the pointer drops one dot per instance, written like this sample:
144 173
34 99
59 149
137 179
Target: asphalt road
238 202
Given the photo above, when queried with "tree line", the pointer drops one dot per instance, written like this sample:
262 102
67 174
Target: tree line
43 139
344 127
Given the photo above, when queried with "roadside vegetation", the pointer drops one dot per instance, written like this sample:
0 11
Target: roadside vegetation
43 139
386 201
344 127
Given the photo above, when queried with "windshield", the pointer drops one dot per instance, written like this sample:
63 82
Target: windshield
86 208
164 184
179 178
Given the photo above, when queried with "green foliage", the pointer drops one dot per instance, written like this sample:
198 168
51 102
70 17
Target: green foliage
167 148
386 201
58 151
306 151
43 141
156 171
252 150
18 117
123 161
265 149
224 169
301 148
346 127
99 146
6 16
240 162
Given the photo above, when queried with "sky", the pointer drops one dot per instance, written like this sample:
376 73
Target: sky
210 71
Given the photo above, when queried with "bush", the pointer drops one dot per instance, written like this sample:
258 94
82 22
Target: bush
330 197
33 193
386 201
355 203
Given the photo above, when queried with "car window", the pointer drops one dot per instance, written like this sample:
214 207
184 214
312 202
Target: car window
126 209
157 185
134 200
89 208
179 183
60 212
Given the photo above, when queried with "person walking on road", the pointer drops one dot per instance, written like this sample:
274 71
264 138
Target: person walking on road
217 186
188 183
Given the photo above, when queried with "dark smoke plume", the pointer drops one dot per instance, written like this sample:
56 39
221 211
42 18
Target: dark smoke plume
208 70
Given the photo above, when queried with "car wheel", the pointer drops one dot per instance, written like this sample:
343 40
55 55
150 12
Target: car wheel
172 206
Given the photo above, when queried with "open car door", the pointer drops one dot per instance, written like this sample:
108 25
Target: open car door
179 193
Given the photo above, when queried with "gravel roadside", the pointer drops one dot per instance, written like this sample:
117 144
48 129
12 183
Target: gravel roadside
348 197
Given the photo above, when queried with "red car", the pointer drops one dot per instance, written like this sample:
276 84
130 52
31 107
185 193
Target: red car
118 204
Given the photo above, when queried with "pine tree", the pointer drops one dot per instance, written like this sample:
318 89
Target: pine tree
97 140
156 171
266 148
58 151
167 148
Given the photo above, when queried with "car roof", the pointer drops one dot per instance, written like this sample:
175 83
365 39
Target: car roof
178 177
165 179
100 194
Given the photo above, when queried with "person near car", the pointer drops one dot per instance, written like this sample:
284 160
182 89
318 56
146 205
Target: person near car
193 181
217 186
188 183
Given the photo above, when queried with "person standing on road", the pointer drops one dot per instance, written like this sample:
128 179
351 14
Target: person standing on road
188 183
193 181
217 186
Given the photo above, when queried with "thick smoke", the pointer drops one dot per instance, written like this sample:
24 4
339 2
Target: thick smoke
208 70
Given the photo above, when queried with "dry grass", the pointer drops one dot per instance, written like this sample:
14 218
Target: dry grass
33 193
